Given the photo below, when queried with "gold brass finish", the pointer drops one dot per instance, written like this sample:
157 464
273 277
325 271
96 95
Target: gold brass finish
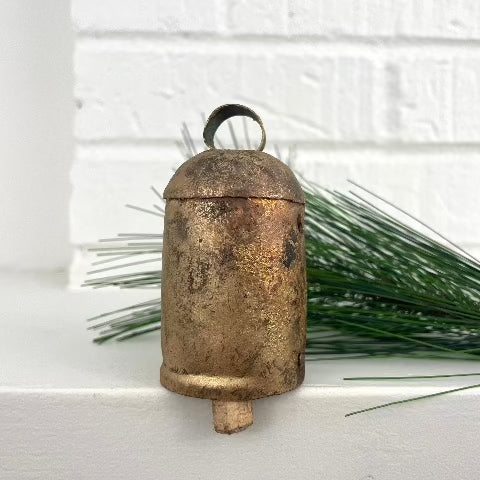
233 281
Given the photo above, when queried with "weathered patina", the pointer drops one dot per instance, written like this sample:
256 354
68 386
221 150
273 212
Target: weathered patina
233 278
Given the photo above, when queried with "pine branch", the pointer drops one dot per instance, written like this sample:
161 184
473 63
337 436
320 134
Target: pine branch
375 285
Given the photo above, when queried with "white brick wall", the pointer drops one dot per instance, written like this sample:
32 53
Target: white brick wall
384 92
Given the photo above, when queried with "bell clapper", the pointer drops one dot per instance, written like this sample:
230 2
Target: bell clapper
230 416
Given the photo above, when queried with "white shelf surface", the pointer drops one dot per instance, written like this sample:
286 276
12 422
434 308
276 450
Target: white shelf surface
70 409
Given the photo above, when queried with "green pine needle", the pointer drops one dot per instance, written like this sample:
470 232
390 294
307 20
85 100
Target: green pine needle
413 399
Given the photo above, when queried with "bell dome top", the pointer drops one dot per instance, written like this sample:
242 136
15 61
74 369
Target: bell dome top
233 173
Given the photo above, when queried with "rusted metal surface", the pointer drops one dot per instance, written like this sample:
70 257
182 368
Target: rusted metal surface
234 173
233 285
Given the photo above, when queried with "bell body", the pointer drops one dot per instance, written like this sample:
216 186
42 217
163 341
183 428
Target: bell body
233 278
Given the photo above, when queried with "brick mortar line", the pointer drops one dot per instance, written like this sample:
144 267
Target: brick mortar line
412 147
353 40
84 247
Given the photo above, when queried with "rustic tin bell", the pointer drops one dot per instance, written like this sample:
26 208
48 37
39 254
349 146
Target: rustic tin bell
233 279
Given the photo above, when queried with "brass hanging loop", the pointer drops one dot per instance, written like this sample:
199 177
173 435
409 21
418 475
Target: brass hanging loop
224 112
